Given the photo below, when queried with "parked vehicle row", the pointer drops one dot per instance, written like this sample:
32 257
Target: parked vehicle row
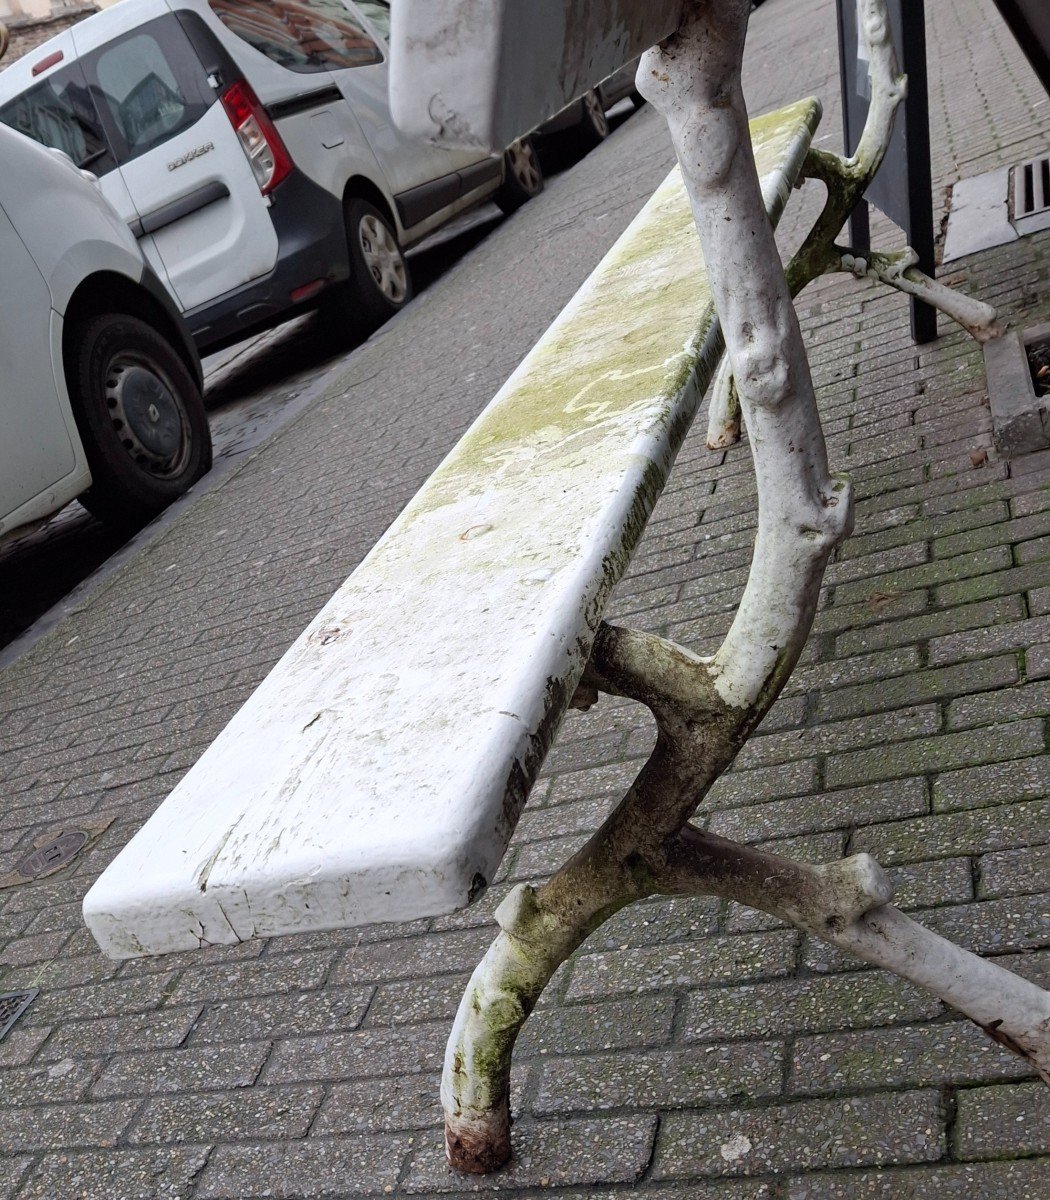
247 148
585 119
249 145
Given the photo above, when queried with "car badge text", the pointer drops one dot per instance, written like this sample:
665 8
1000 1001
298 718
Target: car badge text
190 155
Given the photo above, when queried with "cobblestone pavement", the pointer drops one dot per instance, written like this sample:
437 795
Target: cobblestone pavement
251 390
42 563
691 1049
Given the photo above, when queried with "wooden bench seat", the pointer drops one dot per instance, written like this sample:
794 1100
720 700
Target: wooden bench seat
378 772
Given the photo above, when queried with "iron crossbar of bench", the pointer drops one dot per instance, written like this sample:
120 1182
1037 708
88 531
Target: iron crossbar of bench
379 770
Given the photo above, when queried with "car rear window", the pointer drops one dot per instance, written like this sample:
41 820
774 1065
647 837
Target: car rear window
60 112
302 35
153 85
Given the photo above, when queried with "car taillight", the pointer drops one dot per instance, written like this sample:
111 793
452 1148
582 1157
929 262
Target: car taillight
260 141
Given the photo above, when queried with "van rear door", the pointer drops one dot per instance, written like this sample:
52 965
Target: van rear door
181 159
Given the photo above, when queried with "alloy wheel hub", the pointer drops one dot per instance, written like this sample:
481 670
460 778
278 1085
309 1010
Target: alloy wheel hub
523 165
593 104
383 258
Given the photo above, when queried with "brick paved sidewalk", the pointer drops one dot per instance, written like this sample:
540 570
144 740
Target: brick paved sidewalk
692 1049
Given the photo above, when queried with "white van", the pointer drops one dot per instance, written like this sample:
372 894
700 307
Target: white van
249 146
100 383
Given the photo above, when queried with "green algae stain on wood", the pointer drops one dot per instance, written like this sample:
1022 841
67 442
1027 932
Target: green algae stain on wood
589 374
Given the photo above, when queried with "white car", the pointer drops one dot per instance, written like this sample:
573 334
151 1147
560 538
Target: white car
584 119
249 146
100 383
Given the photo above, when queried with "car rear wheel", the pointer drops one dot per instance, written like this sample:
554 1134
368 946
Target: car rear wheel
140 415
594 124
380 282
522 175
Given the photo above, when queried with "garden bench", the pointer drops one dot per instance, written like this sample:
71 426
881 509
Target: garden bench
378 772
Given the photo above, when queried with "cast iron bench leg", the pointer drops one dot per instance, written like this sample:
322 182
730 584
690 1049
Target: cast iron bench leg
706 708
846 180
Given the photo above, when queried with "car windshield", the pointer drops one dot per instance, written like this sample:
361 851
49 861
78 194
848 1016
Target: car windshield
378 13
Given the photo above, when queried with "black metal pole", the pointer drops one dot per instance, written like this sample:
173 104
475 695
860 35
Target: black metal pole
859 225
920 178
1029 22
904 187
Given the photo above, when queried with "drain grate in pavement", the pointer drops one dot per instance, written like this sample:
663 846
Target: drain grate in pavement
12 1006
998 207
1018 369
1030 195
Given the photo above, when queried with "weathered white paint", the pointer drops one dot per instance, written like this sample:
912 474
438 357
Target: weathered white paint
1012 1010
536 938
377 773
705 708
803 511
899 270
481 73
723 409
846 180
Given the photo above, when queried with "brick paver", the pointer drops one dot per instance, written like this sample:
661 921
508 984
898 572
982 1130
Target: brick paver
691 1048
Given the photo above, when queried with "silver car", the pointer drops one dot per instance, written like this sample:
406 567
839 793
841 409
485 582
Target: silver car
584 119
100 383
248 144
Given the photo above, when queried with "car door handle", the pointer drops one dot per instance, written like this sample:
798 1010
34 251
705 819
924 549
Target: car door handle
168 214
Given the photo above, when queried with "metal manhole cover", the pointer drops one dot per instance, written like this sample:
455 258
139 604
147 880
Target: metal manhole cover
12 1006
53 850
53 855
